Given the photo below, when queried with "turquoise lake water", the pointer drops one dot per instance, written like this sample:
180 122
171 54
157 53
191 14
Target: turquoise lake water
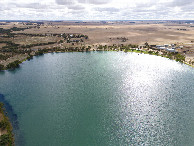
100 99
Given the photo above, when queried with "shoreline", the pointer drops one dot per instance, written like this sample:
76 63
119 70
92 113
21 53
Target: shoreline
146 52
9 112
6 129
16 64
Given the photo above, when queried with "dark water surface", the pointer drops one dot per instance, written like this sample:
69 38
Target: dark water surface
101 99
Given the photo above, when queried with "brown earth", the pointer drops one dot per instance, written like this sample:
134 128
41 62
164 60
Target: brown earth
109 34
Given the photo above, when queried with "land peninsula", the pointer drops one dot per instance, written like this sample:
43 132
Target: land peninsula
6 135
21 40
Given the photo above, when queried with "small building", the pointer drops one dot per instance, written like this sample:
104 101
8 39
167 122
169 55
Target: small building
171 49
160 47
173 45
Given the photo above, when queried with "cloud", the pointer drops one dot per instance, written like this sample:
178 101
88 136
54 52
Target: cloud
71 2
181 3
31 5
76 7
97 9
65 2
107 9
94 1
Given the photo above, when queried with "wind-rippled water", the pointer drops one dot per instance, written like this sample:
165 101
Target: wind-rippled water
101 98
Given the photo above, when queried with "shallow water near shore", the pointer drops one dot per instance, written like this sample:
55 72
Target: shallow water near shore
101 98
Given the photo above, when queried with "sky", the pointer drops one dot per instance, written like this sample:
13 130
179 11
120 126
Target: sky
97 9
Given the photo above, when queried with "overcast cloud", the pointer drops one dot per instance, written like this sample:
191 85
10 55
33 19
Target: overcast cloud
96 9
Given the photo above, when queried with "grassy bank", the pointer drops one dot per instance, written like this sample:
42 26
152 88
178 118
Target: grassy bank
6 135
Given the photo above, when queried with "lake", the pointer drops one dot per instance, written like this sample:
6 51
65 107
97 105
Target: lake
100 98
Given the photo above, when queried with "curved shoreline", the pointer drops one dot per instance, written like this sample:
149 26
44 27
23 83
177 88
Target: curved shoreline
6 129
12 63
17 63
13 120
146 52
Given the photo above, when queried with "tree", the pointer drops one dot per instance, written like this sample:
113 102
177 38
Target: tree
1 67
180 58
14 64
86 37
147 45
61 41
5 139
89 47
3 124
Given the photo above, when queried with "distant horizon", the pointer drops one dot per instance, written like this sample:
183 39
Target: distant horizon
97 10
99 20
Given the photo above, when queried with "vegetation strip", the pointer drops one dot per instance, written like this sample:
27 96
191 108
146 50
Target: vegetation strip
6 135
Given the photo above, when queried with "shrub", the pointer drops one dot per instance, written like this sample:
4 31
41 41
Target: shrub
3 124
1 67
14 64
5 139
